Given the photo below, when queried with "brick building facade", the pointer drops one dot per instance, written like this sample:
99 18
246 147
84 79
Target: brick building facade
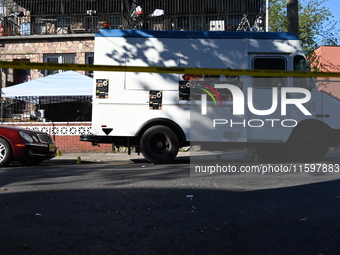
52 48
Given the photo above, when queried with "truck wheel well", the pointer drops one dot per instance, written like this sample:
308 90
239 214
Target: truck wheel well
165 122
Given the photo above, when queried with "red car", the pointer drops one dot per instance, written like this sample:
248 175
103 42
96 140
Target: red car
29 147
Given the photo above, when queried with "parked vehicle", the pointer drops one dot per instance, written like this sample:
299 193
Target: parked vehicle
157 112
29 147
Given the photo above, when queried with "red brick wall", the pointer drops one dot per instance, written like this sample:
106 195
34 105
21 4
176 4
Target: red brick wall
62 134
72 144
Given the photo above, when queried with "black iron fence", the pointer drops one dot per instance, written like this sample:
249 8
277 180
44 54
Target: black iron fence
46 109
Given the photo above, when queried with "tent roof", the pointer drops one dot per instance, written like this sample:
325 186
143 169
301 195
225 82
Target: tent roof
68 83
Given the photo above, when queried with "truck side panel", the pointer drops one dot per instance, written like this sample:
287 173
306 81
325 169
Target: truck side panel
125 102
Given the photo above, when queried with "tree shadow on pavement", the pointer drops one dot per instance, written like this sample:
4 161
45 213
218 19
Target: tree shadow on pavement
184 219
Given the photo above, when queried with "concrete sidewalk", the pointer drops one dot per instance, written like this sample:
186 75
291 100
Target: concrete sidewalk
93 157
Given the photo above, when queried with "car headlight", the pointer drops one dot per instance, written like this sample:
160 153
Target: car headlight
26 136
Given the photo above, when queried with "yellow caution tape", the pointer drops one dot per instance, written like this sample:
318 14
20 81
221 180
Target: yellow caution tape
152 69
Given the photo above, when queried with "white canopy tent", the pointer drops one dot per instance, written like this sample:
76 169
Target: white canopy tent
49 94
68 83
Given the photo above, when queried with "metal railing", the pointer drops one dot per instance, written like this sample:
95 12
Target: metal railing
46 109
28 17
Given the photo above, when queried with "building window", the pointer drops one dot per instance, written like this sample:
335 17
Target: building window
21 75
60 59
89 60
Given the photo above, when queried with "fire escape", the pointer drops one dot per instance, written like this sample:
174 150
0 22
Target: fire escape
32 17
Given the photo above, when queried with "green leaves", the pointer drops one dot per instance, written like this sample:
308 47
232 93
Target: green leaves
316 22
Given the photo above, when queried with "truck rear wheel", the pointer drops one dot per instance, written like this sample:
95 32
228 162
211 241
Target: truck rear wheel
310 143
159 144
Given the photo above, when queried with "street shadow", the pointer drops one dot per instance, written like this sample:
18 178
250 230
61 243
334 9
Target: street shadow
160 218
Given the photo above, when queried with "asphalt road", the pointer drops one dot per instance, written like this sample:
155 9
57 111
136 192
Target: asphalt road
138 208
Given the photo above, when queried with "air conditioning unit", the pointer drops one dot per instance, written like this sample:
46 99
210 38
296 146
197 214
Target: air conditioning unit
25 28
91 12
217 25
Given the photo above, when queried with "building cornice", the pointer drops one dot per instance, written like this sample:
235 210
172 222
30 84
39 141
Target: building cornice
46 37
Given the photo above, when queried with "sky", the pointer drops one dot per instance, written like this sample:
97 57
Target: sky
334 7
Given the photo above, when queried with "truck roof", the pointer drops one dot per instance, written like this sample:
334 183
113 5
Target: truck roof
196 34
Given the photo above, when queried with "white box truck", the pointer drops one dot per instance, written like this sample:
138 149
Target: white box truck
160 112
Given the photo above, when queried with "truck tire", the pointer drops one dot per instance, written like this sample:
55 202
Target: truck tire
5 153
308 144
159 144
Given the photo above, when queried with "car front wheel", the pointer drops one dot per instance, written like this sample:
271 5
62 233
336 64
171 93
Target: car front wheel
5 153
